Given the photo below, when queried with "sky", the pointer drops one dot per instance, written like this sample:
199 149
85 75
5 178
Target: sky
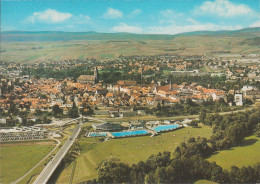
133 16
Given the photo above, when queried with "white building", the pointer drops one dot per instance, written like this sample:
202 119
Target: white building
246 88
238 99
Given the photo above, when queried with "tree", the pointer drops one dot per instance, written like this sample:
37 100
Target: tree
113 171
73 112
159 106
38 112
13 110
230 98
194 123
56 110
203 115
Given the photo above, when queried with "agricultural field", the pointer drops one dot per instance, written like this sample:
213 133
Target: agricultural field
207 69
247 153
31 52
18 158
129 150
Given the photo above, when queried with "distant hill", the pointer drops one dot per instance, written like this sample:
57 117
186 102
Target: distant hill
248 32
42 36
49 36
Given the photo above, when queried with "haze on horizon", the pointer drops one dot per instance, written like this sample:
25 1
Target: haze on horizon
132 16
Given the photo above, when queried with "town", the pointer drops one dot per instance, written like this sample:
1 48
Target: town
131 86
123 91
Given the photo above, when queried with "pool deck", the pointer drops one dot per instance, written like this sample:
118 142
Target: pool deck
153 132
150 130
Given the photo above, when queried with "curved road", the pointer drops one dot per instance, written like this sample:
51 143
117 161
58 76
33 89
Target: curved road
53 164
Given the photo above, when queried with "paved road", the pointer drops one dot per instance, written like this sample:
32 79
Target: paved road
95 119
53 164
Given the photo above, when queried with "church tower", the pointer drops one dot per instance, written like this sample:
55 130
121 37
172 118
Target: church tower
96 74
170 86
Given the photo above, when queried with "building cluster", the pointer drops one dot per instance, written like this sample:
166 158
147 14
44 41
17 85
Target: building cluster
28 93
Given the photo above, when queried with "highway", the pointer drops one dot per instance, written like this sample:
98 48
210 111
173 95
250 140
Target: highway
53 164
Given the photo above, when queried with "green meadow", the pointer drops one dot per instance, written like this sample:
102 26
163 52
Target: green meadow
246 154
18 158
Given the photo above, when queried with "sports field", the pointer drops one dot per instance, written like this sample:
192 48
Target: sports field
18 158
129 150
247 153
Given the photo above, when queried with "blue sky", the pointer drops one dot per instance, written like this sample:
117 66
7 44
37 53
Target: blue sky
134 16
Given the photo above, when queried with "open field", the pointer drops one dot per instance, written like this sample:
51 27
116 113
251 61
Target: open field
207 69
31 52
248 153
204 182
129 150
17 158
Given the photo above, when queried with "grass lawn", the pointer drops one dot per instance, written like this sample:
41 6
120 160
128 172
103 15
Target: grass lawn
248 153
204 182
129 150
17 158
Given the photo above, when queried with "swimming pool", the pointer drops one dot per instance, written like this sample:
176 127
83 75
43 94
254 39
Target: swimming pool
162 128
98 135
130 133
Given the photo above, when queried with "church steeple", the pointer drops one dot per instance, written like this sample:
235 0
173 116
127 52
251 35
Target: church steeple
170 87
96 74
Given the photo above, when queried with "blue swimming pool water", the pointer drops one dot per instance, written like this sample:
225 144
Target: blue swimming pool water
98 135
130 133
161 128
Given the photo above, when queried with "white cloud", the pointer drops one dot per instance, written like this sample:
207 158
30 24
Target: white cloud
122 27
170 14
81 19
191 20
174 29
134 13
255 24
170 17
49 16
223 8
112 13
6 27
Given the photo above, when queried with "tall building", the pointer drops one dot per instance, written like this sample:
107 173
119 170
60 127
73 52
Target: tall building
239 99
92 79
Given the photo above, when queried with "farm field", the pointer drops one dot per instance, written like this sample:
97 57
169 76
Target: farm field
17 158
31 52
247 153
207 69
129 150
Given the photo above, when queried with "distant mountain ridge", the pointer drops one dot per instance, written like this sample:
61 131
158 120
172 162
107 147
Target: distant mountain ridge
34 36
253 31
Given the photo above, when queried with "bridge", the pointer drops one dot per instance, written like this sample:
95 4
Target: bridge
69 121
53 164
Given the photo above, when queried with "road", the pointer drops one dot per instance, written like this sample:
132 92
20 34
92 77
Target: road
154 118
93 119
53 164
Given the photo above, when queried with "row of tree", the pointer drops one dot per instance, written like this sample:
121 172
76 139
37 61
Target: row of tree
188 108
